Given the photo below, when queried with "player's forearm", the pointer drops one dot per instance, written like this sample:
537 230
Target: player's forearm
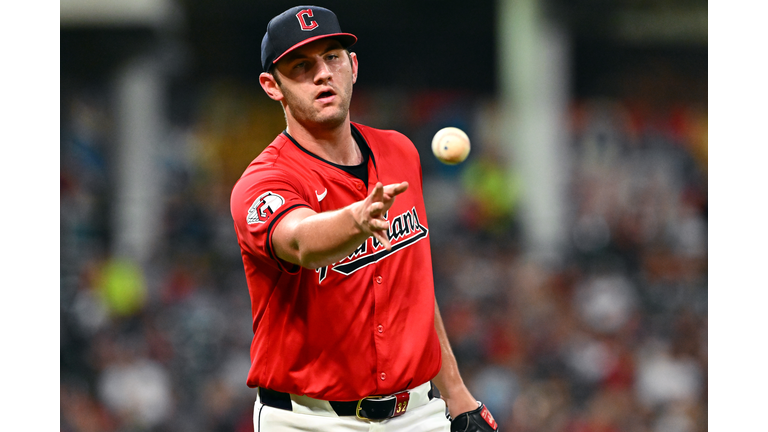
314 240
324 238
448 380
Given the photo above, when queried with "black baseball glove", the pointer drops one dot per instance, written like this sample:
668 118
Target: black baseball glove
479 420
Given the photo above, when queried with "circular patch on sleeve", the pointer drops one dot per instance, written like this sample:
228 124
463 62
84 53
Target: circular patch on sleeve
264 207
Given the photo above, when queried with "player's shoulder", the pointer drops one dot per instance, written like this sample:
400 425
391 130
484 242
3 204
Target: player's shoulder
274 162
278 156
275 155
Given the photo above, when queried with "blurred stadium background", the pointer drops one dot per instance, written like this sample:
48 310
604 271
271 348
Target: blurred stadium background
570 249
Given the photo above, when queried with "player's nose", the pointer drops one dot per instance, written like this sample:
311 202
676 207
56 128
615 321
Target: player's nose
322 73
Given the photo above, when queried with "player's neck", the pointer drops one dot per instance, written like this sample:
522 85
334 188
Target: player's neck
332 144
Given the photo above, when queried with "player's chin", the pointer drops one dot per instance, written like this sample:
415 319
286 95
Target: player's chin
331 118
329 105
336 106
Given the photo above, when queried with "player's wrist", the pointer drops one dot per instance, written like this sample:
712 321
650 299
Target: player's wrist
460 404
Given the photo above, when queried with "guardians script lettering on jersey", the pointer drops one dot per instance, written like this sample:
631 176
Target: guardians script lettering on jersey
404 230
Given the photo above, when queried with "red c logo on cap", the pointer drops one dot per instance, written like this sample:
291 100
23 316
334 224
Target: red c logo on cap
303 17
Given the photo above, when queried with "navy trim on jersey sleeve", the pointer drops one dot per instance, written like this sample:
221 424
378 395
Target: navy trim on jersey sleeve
270 248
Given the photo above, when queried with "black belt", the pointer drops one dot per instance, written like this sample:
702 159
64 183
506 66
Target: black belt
370 408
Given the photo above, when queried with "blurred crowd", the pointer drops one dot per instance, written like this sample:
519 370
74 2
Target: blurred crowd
610 337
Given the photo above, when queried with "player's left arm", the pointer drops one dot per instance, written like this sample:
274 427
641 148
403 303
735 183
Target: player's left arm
452 389
448 380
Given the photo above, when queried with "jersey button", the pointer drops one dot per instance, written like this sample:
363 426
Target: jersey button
359 185
379 279
383 376
381 328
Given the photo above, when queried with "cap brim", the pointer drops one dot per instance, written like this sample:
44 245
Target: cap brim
346 39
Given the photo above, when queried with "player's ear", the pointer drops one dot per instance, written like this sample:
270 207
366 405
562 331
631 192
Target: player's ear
353 60
270 86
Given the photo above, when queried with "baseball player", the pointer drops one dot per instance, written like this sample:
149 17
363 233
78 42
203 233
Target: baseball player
334 237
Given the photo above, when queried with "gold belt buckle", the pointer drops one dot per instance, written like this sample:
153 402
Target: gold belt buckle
401 402
357 411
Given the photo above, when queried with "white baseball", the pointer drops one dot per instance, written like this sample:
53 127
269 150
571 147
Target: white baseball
450 145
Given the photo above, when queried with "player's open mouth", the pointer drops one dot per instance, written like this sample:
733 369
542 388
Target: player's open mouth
326 96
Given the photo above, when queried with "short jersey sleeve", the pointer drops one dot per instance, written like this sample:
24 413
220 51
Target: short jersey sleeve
259 201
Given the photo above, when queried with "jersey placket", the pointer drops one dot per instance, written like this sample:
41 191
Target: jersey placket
381 338
380 287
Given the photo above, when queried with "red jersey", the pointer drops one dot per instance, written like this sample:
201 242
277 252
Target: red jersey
361 326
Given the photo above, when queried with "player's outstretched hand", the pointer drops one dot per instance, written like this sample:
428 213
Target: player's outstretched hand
370 217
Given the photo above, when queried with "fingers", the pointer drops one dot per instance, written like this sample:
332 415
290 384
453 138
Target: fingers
390 192
378 224
377 195
377 209
382 193
395 189
380 200
383 239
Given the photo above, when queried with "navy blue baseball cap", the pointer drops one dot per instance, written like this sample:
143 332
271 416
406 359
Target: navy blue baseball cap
299 26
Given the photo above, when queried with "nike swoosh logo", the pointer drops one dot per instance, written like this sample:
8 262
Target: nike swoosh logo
322 195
